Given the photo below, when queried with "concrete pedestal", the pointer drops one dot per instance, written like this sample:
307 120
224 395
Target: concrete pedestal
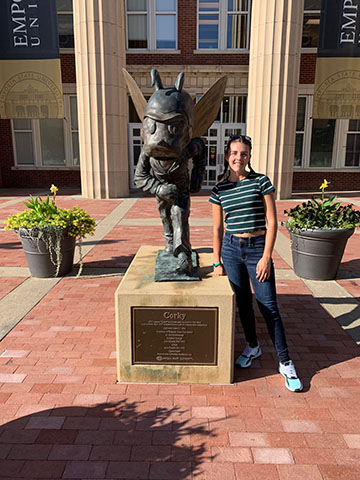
174 332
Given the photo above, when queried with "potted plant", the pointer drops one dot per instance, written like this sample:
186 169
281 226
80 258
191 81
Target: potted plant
48 234
319 230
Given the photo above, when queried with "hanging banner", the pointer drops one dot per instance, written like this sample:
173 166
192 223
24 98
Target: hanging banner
337 77
30 72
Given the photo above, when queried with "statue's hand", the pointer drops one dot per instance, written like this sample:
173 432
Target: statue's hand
167 191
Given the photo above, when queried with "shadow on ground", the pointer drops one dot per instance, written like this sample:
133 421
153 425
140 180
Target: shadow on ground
100 242
122 261
11 245
348 269
111 440
349 320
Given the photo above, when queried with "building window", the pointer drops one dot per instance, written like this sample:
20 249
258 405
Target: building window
300 130
24 146
74 131
352 153
322 142
52 142
232 110
311 24
65 23
315 144
151 24
325 143
49 142
223 25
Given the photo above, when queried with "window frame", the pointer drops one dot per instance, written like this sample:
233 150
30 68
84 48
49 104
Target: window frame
339 143
36 142
223 13
67 12
309 12
151 15
308 122
33 140
306 133
343 133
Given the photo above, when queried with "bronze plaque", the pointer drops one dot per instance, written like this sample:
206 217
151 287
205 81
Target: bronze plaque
174 336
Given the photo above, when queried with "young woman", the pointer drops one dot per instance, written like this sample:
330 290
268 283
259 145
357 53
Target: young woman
245 201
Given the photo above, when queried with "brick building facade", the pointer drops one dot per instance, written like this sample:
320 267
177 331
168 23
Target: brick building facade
201 67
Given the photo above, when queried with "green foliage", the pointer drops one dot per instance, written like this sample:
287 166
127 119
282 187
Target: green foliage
44 215
43 220
322 213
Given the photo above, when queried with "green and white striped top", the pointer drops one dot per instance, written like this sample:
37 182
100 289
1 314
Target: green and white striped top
242 202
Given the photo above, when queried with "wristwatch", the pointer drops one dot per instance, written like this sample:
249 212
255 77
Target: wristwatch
217 264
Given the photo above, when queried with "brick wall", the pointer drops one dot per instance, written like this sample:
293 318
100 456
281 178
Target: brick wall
307 68
6 151
187 24
68 73
311 181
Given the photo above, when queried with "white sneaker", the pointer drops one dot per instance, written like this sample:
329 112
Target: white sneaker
292 381
248 355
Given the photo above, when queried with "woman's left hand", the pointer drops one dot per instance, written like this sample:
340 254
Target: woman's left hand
263 269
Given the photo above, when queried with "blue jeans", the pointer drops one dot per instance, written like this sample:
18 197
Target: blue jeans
240 256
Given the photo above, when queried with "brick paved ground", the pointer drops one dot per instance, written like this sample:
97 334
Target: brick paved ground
63 416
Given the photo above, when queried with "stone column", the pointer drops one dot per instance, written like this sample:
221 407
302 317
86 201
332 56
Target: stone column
276 30
99 28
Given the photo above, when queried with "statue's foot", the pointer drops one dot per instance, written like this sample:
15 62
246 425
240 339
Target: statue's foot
184 264
169 248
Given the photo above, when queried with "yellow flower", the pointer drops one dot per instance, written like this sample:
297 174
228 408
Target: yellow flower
53 189
325 184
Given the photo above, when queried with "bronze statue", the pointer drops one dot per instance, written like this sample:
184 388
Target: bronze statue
171 127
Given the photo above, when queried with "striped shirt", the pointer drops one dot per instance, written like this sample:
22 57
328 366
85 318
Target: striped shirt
242 202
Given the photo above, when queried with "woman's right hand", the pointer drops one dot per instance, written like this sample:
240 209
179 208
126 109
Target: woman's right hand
219 271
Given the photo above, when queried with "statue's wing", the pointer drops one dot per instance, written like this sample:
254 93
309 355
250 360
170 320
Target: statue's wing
136 94
208 106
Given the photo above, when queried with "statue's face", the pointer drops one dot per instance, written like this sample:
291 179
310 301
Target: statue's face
167 123
165 138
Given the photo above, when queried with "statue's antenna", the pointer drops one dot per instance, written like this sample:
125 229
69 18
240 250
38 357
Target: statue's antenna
156 80
179 82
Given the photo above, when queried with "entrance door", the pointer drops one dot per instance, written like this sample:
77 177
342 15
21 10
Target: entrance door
135 145
215 141
213 149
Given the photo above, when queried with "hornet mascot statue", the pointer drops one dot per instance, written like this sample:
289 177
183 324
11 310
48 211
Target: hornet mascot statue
171 127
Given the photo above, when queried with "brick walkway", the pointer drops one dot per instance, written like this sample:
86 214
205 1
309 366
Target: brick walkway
63 416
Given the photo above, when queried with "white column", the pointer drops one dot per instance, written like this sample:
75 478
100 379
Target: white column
276 31
99 28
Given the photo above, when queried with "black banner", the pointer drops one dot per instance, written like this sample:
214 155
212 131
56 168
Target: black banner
339 29
28 30
30 72
337 77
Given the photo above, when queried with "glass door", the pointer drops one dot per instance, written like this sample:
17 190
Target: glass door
135 145
215 141
213 147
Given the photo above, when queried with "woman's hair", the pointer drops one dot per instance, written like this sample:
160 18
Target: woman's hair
234 138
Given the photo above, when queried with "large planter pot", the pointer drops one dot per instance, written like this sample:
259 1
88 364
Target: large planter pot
317 254
38 255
